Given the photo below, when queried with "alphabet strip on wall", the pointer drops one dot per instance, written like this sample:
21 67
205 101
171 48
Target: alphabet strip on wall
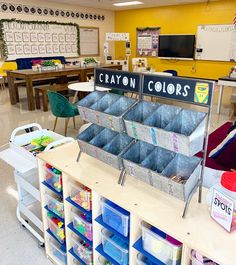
44 11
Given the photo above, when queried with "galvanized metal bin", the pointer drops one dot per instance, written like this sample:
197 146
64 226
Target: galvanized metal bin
85 104
133 158
104 144
185 132
187 168
135 117
113 116
86 136
175 129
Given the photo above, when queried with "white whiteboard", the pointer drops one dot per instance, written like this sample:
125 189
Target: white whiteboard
89 41
218 42
40 40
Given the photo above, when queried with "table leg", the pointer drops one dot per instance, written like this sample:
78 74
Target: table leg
221 87
30 94
75 97
12 91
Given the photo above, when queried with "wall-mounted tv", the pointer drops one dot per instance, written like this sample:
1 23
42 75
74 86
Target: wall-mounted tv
176 47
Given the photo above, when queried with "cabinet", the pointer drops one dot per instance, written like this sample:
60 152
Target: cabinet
143 202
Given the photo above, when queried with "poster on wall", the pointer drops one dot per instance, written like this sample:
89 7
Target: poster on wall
32 39
147 41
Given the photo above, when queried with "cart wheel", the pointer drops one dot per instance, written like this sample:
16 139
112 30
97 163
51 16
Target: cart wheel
41 244
23 224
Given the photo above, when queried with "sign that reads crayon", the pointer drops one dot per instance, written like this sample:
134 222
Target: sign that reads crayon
125 81
184 89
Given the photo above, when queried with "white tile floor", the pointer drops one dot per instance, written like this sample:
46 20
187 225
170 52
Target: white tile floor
17 245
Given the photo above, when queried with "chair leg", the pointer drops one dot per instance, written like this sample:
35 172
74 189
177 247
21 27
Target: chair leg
45 101
74 122
37 99
66 125
55 124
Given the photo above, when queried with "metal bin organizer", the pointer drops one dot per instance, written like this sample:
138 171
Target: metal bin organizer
135 117
95 112
169 250
106 146
115 247
185 132
187 168
159 119
115 216
113 116
133 158
84 105
58 251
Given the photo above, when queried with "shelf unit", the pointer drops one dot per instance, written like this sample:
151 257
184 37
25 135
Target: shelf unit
28 210
145 203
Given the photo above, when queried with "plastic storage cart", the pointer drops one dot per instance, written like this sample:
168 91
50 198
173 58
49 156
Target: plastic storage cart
26 174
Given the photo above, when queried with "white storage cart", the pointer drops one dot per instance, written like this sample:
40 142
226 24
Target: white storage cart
28 211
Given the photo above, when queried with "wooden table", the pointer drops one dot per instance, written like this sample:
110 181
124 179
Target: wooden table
222 82
29 76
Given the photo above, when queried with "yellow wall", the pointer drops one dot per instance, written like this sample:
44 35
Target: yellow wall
182 19
108 25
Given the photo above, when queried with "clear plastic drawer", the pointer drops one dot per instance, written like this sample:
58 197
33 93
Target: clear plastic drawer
115 216
115 247
163 247
82 225
81 196
82 250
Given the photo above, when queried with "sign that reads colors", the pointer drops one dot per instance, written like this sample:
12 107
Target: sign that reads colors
189 90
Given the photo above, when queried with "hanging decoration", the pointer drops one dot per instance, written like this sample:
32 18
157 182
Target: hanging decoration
45 11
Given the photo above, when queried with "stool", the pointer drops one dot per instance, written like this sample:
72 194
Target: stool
43 90
233 104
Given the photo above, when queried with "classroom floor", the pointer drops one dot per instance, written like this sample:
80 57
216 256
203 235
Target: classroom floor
17 245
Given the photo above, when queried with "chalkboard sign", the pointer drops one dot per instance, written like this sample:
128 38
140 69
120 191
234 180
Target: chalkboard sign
121 80
198 92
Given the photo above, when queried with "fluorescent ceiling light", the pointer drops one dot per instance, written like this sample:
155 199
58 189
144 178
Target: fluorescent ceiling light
131 3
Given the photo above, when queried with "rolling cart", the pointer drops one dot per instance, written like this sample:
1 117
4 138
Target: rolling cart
28 211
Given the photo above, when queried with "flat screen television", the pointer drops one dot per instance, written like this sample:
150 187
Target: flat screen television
176 47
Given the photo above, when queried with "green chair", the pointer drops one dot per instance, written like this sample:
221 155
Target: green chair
62 108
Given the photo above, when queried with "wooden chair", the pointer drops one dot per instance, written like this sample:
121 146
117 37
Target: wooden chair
43 90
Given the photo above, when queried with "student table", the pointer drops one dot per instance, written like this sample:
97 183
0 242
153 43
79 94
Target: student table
29 76
222 82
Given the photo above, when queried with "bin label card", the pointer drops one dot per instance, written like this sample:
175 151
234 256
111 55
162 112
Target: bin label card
201 93
222 209
183 89
115 79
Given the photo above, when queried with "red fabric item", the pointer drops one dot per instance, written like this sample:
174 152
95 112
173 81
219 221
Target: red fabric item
35 62
227 158
214 140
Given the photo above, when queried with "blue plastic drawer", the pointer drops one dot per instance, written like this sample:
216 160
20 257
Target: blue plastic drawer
115 247
116 217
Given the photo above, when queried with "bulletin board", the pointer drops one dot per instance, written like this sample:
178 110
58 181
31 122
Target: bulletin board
216 43
147 41
39 39
89 41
